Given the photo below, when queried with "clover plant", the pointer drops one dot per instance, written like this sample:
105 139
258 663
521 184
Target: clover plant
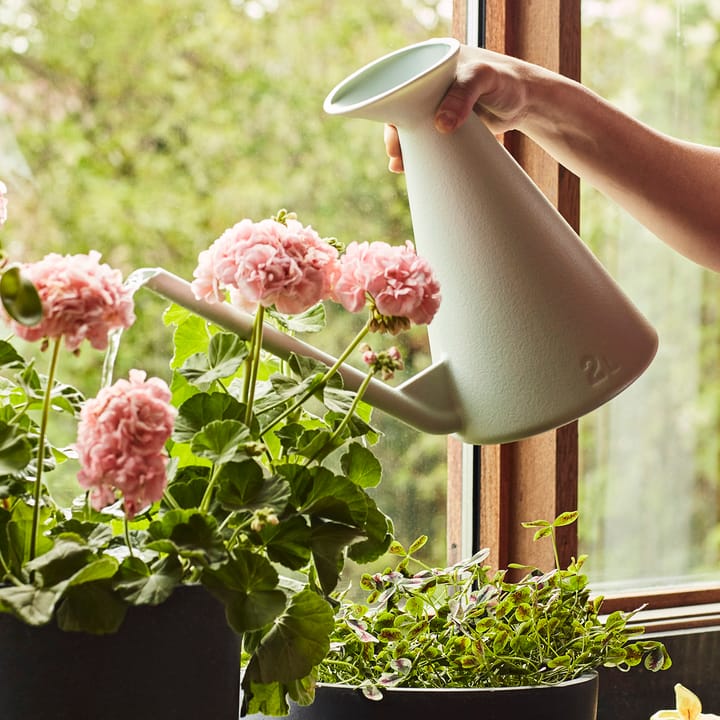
466 626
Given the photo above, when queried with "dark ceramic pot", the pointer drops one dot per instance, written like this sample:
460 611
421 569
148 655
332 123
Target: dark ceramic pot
175 661
572 700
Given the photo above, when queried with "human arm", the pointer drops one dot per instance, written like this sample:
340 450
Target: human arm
669 185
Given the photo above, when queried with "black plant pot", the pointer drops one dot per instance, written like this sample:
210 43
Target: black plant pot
572 700
175 661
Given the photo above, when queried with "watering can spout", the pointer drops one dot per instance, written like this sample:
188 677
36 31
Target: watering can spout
426 401
532 331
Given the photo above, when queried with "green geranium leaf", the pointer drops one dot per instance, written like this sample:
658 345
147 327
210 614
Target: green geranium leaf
244 572
201 409
286 388
139 584
60 563
340 401
271 699
19 533
355 427
311 321
91 607
226 354
334 497
304 367
222 441
268 699
252 611
188 486
309 439
176 314
227 351
329 541
20 297
67 398
247 584
13 486
189 533
9 356
31 604
288 542
239 483
361 466
302 691
290 434
95 535
100 569
379 530
297 642
15 449
190 335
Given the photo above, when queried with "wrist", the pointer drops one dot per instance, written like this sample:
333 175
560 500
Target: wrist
553 105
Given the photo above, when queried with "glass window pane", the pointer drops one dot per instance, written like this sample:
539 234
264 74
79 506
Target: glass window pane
650 459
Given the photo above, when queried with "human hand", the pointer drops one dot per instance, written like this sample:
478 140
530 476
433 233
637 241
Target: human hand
494 86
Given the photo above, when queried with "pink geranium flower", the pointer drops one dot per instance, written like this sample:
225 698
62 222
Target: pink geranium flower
81 299
121 442
398 284
267 263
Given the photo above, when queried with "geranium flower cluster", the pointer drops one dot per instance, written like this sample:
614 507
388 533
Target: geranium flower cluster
268 263
121 440
291 267
122 432
397 284
385 362
81 297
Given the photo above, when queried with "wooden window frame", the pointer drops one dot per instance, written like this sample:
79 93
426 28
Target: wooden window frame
538 477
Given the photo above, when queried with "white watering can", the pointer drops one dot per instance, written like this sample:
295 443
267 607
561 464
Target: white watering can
532 331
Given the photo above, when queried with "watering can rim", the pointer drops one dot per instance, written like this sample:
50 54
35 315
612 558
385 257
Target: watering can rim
331 105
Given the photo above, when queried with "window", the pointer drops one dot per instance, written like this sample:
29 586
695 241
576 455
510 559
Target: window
649 460
539 477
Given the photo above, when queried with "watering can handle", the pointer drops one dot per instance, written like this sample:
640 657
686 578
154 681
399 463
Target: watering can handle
427 401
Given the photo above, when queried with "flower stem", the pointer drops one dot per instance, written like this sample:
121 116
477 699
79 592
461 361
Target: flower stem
555 550
348 415
170 500
126 528
207 497
253 363
323 380
37 491
353 344
8 574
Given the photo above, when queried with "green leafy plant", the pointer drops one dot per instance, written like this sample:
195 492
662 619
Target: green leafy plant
247 475
465 626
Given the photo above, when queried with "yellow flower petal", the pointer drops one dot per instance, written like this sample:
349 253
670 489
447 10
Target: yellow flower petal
688 704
